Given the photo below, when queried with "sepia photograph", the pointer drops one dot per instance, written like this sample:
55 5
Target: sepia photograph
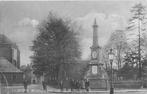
73 47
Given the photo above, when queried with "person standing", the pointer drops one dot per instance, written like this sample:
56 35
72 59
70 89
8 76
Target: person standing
44 85
72 84
67 83
78 85
61 85
87 85
25 85
83 84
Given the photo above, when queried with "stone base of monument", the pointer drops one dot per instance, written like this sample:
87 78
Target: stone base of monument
97 76
96 84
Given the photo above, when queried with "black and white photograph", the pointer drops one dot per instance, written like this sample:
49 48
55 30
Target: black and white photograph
73 46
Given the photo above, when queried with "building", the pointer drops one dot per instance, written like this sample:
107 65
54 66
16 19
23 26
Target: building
96 74
9 62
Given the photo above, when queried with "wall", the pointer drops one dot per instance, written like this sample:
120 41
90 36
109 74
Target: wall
15 78
6 51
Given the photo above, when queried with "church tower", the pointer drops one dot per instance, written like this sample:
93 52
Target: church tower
96 74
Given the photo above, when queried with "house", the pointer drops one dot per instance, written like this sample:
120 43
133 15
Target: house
9 62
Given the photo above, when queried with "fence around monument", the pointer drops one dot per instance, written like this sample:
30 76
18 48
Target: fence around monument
128 84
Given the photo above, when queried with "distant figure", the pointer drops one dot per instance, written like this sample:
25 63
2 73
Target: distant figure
83 84
34 82
78 84
72 84
61 85
75 84
25 85
87 85
44 85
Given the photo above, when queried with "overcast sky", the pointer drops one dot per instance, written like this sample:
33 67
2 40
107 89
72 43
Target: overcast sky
18 20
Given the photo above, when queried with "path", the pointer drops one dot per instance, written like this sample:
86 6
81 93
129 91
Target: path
37 89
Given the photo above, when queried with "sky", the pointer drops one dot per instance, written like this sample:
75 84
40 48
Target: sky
19 20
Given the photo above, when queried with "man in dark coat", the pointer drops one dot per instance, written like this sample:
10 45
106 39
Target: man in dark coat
78 84
25 83
87 85
44 85
72 84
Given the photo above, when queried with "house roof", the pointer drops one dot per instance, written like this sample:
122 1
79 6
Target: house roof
6 66
5 40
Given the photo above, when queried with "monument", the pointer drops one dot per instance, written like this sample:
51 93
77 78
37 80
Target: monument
96 73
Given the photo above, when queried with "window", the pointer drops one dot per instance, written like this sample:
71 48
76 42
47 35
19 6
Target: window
14 77
14 54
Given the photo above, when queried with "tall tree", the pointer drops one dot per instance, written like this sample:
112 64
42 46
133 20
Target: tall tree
138 22
55 44
130 69
27 71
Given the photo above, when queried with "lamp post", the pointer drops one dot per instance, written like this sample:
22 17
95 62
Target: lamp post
111 57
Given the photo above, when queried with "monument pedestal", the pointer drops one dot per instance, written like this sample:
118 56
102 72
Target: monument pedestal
98 78
98 83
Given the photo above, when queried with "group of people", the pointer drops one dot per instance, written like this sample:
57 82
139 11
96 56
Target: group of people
26 83
75 84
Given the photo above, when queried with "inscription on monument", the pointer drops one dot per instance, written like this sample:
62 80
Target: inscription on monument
94 69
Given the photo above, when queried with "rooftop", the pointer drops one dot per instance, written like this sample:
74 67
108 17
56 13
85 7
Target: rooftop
5 40
6 66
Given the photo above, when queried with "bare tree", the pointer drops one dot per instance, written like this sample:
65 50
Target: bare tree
118 42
